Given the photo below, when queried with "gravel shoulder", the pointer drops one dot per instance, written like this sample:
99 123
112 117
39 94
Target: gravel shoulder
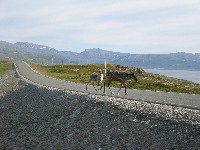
35 117
9 82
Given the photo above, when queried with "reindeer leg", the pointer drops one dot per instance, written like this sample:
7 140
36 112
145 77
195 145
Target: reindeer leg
100 87
125 88
119 89
104 87
110 89
87 84
94 86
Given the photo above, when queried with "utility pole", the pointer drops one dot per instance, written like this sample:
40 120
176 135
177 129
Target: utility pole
62 62
52 59
105 67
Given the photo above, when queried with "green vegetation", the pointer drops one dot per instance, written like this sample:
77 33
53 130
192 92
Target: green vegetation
4 66
146 81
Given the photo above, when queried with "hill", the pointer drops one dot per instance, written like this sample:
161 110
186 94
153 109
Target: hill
41 54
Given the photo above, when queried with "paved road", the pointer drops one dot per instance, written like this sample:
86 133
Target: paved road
184 100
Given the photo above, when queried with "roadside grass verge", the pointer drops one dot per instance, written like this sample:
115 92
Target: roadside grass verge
146 81
4 66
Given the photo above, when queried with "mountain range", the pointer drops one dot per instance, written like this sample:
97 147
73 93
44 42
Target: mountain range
45 55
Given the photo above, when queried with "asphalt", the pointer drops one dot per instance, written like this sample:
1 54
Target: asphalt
174 99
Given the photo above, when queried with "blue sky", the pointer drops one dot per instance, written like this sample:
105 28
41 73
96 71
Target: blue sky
131 26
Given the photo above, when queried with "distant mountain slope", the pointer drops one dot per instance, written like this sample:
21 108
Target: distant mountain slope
42 54
35 53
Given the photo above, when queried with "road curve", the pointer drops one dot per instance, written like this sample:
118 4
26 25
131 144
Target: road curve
176 99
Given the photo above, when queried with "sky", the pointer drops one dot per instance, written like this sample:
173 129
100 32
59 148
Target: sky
127 26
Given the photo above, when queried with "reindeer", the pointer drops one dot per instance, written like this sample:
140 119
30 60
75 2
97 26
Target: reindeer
96 78
122 77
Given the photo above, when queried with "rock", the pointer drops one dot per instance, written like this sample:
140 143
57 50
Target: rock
44 118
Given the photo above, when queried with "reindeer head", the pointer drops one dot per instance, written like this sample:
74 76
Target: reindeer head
133 76
100 71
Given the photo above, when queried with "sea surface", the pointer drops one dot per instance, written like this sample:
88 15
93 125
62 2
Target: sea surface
193 76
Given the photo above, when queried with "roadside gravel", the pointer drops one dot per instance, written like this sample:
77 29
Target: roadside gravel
35 117
8 82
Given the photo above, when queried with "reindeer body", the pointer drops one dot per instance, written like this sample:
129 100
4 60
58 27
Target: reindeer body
122 77
96 78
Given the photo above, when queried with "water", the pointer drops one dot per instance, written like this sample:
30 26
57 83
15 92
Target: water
193 76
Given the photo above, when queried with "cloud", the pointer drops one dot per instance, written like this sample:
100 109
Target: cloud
150 26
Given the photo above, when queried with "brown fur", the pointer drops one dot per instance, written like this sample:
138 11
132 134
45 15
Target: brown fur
122 77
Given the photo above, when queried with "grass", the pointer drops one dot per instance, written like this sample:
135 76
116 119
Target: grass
146 81
4 66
